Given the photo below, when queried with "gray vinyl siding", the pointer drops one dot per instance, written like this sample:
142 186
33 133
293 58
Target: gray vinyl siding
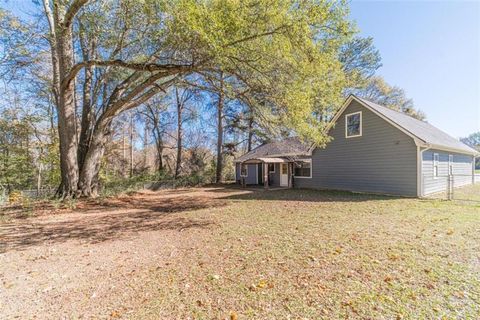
462 171
382 160
252 173
274 178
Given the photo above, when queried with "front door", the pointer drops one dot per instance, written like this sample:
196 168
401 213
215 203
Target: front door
284 175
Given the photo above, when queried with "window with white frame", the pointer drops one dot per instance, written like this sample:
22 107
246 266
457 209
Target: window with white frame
450 164
271 168
243 170
435 164
303 169
353 125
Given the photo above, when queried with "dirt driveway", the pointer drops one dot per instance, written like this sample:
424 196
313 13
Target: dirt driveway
93 262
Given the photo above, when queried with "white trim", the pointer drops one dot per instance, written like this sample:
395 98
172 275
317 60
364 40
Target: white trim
347 102
272 163
441 148
436 174
258 172
418 141
346 124
420 181
450 164
419 172
246 165
311 169
281 174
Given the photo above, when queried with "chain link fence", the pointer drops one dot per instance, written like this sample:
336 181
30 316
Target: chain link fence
452 187
111 189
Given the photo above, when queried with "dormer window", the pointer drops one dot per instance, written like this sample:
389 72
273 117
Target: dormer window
353 125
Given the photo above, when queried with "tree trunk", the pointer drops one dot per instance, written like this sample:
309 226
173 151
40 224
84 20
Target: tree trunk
39 179
61 43
131 145
178 163
87 118
250 134
218 175
124 149
160 155
145 145
66 117
88 182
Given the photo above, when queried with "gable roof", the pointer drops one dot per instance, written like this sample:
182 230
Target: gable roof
287 147
420 131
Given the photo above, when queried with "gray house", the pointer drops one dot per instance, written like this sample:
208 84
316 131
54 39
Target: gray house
373 149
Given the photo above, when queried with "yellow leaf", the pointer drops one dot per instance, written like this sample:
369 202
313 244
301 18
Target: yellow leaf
262 284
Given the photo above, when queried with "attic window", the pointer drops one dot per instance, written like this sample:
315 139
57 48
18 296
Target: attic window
353 125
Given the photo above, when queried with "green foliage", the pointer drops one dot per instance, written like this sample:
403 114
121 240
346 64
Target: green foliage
473 141
16 170
119 185
281 52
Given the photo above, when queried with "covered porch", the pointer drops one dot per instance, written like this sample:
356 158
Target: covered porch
267 171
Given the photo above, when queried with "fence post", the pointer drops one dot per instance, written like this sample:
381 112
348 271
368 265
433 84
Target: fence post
452 185
449 187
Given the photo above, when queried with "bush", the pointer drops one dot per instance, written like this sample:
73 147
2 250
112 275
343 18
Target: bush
150 181
15 197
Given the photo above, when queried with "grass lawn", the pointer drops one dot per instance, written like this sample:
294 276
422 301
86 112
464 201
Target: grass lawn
290 254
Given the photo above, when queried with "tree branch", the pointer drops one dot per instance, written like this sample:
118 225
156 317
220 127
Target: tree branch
146 67
255 36
72 12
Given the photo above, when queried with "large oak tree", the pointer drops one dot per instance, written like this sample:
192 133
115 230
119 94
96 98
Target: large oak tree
133 50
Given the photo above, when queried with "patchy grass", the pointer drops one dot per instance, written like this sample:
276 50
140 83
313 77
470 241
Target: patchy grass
469 193
216 253
309 254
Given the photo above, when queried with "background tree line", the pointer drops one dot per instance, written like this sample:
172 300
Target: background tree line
98 91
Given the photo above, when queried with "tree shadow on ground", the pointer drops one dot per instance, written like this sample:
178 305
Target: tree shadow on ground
311 195
136 215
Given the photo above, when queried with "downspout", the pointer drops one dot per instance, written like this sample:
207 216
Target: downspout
420 181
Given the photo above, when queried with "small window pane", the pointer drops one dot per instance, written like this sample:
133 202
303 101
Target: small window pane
243 170
271 167
302 169
353 124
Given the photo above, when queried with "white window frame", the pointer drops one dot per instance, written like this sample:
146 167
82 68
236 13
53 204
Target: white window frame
246 170
269 168
311 169
346 124
450 164
436 164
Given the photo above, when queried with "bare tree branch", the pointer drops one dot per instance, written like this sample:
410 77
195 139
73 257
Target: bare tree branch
72 12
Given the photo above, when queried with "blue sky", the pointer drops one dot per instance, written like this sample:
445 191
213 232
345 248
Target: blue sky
432 50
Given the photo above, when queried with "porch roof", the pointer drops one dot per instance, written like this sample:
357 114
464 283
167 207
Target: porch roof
289 147
266 160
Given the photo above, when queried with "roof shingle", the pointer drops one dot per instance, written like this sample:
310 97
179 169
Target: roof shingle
292 146
420 129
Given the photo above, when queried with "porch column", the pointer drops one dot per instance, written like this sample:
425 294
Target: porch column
265 175
289 172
